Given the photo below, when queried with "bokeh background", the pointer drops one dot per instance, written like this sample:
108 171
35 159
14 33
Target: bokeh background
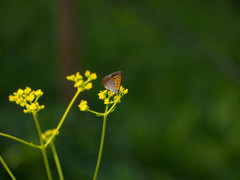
180 61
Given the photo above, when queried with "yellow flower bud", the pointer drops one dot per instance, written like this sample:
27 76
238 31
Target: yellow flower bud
22 104
78 83
106 101
121 89
70 78
78 76
110 93
27 90
125 91
30 98
87 73
12 98
93 76
88 86
117 99
19 92
83 105
102 94
19 100
39 93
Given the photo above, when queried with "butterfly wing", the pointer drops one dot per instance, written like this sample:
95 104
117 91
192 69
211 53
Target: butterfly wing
112 82
117 80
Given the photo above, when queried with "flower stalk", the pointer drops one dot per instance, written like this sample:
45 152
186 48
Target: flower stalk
20 140
63 118
44 153
109 98
7 169
58 165
28 99
101 144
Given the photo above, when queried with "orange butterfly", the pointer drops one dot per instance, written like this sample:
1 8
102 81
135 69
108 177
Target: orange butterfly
112 81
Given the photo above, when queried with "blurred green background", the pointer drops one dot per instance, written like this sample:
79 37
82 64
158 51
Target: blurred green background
180 61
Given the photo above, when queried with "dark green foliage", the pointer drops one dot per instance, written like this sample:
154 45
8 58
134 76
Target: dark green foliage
180 62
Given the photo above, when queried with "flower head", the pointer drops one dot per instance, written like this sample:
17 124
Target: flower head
109 97
80 83
123 91
117 99
110 93
102 94
27 98
83 105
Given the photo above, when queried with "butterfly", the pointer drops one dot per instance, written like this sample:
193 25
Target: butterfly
112 81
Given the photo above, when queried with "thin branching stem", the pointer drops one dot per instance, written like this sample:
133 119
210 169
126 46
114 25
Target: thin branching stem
7 169
59 169
44 153
20 140
101 144
63 117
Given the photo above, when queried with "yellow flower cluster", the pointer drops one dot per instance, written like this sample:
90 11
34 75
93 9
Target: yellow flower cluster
83 105
27 98
80 83
109 97
47 134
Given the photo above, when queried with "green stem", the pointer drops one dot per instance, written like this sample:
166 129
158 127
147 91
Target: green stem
63 118
20 140
101 144
94 112
102 114
7 169
111 108
42 147
59 169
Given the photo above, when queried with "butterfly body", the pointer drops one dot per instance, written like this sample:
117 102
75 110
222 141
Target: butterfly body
112 81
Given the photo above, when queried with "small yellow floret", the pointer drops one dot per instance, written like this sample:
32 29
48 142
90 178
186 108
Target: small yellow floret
88 86
19 92
83 105
121 89
41 107
117 99
110 93
19 100
106 101
12 98
31 107
30 97
27 90
93 76
22 104
78 83
87 73
78 76
102 94
39 93
70 78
